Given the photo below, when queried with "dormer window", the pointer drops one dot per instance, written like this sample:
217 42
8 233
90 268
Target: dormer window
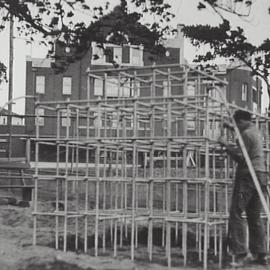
125 55
117 55
135 56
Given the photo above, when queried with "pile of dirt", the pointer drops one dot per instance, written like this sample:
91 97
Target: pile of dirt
55 265
15 216
17 252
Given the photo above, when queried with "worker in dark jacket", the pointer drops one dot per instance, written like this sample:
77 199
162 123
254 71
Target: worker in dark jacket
245 197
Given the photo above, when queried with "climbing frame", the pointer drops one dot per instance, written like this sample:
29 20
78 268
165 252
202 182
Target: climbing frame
140 151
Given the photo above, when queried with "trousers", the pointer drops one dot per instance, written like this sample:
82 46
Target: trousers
246 199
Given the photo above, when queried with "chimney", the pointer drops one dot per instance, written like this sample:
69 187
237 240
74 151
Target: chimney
177 42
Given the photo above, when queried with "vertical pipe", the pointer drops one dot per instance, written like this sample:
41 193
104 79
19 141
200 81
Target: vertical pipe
220 247
176 200
115 239
97 172
68 113
206 187
122 210
134 174
104 200
58 126
185 184
36 178
77 176
168 244
104 221
168 171
87 166
150 223
133 201
151 173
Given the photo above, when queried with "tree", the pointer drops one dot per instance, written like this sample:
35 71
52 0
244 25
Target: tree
227 41
59 21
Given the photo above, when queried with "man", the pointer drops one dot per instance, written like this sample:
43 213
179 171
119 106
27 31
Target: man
245 197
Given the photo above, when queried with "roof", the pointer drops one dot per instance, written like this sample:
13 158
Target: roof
6 112
40 62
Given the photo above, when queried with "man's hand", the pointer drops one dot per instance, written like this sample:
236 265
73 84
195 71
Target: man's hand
228 125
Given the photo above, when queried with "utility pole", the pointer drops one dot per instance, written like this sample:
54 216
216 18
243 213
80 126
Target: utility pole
10 87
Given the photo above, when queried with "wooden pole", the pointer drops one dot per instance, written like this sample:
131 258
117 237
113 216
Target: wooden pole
10 85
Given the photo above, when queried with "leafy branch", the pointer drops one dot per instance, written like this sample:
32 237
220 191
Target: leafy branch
55 21
224 41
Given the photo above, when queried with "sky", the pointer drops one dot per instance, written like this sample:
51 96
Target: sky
256 27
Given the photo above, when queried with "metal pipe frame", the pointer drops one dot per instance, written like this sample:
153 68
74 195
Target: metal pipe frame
148 160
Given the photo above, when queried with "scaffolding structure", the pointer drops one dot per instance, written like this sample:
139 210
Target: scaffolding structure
140 151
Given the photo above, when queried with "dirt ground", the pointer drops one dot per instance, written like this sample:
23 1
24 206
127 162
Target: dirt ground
17 252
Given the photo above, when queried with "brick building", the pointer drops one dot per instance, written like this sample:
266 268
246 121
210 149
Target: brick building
41 80
18 128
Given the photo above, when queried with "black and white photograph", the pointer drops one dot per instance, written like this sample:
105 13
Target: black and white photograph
134 134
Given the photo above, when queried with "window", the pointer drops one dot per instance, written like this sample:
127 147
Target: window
125 88
67 85
3 120
65 119
40 84
97 53
244 92
166 88
129 121
17 121
40 117
112 87
126 55
191 88
97 120
114 120
136 56
122 55
115 88
255 107
144 124
191 123
109 54
98 87
255 94
117 55
135 88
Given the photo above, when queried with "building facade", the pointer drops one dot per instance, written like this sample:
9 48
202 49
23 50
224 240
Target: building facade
41 80
18 128
244 89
